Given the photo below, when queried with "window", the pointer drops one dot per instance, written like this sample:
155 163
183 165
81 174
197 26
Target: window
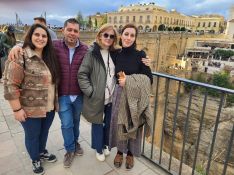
115 19
109 19
134 19
209 24
121 19
140 19
199 24
214 24
204 24
127 18
148 19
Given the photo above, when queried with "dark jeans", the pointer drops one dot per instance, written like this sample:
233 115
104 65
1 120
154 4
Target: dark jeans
36 133
100 132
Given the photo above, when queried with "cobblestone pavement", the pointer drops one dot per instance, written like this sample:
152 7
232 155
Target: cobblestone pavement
14 159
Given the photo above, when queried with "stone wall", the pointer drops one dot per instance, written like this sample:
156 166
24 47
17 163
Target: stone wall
164 49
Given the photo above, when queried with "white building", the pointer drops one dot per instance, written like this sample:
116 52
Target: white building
230 25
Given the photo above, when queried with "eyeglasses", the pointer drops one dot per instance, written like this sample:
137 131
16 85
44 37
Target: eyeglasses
106 35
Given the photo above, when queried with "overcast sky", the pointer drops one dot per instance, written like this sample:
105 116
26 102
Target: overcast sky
63 9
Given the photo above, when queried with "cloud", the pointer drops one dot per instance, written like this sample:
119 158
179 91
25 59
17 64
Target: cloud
198 7
63 9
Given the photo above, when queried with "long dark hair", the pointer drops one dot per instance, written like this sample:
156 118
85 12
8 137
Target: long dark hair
48 54
122 31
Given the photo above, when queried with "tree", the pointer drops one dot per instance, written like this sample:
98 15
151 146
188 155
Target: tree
95 22
80 19
183 29
89 23
104 21
225 54
169 29
221 79
177 28
162 27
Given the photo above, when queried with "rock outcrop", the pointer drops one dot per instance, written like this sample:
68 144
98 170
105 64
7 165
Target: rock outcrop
222 137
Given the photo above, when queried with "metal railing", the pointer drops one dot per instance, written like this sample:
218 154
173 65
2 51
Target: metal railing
170 95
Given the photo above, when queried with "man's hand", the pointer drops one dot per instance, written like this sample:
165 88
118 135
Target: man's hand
15 53
146 61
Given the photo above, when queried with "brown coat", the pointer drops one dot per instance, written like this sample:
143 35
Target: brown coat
134 108
28 79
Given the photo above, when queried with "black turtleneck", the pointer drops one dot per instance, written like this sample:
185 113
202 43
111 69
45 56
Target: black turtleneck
129 61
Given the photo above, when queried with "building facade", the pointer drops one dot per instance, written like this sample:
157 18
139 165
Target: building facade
230 25
209 23
98 20
150 17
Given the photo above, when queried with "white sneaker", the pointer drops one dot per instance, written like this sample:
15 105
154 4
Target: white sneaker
100 157
106 151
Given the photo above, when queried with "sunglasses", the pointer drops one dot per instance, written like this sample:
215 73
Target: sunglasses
106 35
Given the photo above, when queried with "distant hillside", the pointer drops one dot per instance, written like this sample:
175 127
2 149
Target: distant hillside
54 22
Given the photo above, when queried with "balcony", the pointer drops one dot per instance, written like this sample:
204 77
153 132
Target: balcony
193 134
189 127
14 159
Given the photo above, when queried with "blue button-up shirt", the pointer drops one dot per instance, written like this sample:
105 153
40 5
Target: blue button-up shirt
71 53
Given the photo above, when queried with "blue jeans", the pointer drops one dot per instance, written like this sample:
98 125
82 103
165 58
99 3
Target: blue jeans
69 114
100 132
36 133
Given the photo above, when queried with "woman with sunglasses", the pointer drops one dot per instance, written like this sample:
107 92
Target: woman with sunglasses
96 78
129 66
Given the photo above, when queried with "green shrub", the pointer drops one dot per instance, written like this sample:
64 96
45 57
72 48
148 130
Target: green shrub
224 53
200 169
221 79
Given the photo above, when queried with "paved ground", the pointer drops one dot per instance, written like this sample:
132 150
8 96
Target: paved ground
15 161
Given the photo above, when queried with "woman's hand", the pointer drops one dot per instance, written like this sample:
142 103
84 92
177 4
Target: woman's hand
146 61
20 115
122 78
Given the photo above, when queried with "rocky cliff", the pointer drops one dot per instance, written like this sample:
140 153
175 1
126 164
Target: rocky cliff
222 137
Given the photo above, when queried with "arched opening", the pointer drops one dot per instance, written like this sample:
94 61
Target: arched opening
140 28
162 27
171 56
155 28
147 29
